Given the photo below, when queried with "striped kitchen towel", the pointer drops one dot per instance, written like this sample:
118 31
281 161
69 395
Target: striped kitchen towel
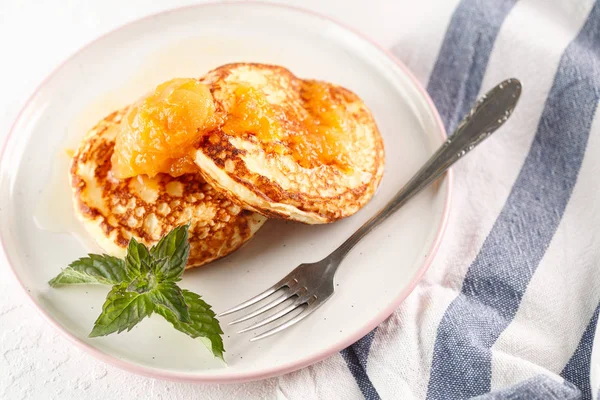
508 310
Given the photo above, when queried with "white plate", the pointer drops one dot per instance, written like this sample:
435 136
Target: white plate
120 66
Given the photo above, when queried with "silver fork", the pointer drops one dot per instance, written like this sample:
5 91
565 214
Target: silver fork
310 285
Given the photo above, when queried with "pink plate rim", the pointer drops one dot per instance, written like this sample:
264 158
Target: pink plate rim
298 364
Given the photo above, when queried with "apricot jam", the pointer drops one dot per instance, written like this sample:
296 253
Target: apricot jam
159 132
252 113
313 138
326 136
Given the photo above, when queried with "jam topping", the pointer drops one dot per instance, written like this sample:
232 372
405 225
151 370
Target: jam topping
326 137
315 137
161 131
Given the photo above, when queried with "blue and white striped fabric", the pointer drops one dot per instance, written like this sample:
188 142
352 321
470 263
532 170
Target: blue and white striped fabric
508 310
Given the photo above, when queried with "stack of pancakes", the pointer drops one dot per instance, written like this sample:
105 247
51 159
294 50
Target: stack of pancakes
240 180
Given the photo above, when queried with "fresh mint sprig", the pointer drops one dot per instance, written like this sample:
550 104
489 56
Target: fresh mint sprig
145 281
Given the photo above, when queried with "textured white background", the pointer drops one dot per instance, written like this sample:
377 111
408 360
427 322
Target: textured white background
36 36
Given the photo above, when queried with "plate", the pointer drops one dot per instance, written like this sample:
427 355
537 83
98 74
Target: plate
40 236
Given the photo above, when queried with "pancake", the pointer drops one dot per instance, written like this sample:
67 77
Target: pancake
113 210
289 148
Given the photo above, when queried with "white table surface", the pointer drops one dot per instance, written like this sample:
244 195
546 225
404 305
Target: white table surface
35 36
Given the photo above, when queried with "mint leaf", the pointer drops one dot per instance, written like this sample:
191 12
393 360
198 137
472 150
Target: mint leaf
137 258
121 310
102 269
145 282
170 296
142 284
175 248
202 325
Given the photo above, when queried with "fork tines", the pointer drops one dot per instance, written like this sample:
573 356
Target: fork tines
290 290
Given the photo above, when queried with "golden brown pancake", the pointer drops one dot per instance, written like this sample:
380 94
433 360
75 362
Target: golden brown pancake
114 210
289 148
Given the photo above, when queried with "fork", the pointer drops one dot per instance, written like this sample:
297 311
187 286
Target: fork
310 285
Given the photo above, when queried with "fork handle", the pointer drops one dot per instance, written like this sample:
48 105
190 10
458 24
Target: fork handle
489 113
